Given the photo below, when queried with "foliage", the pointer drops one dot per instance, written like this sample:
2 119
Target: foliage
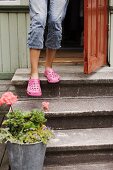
25 127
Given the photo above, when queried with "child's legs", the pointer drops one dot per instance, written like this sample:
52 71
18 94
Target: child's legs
57 10
34 59
38 15
50 55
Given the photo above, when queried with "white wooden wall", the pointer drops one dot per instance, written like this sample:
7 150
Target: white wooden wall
13 37
14 28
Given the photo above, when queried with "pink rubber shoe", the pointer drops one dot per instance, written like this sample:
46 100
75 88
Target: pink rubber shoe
51 76
33 88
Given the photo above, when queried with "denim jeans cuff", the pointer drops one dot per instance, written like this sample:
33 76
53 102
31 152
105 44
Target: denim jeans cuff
35 47
53 47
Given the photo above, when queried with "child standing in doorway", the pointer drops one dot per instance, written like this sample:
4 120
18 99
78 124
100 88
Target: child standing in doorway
39 11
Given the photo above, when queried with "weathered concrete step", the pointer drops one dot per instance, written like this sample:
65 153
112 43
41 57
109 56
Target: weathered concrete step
69 113
93 166
81 140
80 166
73 82
72 147
80 146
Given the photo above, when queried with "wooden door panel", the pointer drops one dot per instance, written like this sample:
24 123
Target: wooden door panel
95 34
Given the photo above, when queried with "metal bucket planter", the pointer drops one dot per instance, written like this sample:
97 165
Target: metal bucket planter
26 156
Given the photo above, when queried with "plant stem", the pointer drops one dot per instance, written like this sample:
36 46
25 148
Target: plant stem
11 109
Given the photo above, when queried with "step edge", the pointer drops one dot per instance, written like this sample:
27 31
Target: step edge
66 148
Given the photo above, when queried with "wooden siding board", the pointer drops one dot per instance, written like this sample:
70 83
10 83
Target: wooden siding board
5 162
13 41
3 156
22 40
2 150
5 42
1 68
111 41
28 23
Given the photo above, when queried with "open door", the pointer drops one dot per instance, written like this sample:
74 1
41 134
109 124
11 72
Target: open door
95 34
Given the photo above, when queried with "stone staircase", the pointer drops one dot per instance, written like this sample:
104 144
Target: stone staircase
81 114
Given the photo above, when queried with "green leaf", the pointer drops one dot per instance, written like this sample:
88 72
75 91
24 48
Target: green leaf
25 127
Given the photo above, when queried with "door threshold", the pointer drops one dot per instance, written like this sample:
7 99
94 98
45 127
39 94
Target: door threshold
65 57
67 60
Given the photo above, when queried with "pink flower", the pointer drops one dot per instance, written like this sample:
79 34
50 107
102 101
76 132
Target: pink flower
9 98
45 106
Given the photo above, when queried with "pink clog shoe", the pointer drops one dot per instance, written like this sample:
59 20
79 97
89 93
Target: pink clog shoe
33 88
51 76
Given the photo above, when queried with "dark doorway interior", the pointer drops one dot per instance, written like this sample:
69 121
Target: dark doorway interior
73 25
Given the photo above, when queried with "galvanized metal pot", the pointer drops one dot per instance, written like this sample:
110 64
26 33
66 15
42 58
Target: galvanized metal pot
26 156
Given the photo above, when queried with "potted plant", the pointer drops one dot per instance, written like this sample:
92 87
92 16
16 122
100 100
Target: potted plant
26 135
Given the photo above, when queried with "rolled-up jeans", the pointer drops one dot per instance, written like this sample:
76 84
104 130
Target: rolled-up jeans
52 13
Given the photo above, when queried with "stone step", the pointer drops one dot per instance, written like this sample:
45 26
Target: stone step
74 146
81 166
90 166
69 113
73 82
